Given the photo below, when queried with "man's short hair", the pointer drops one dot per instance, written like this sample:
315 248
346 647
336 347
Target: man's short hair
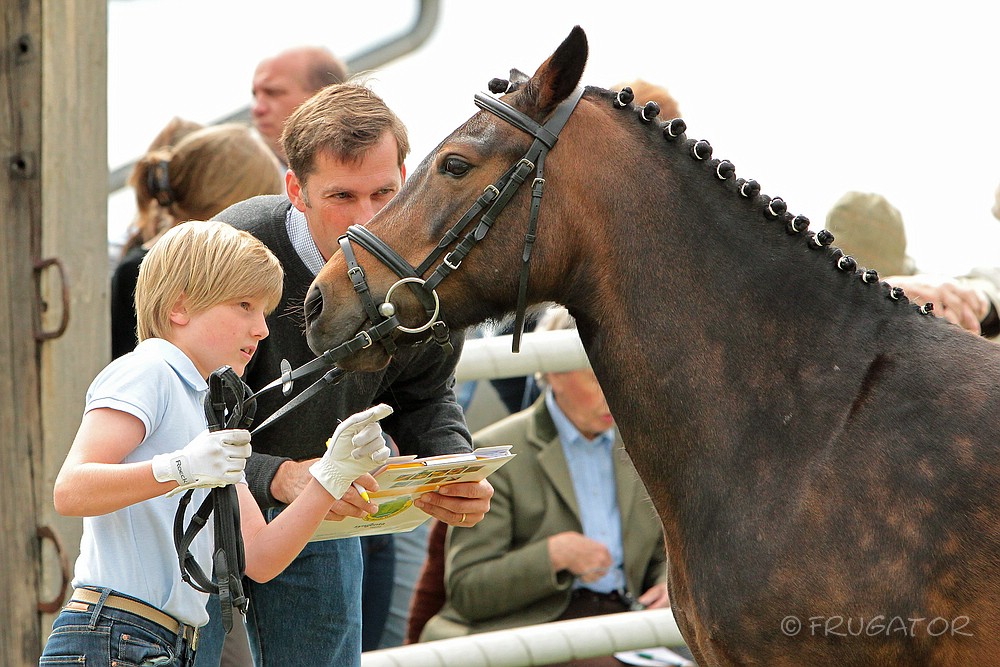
346 119
208 263
554 318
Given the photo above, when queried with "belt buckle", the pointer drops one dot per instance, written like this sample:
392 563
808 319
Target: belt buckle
632 603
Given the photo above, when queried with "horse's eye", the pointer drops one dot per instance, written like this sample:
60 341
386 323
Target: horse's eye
455 166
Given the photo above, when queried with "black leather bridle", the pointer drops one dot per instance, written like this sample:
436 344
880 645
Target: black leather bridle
385 323
489 204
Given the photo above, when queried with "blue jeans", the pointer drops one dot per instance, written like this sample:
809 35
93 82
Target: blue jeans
310 614
307 616
105 636
411 552
376 595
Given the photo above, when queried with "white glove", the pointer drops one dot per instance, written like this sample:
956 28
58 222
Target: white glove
356 447
213 458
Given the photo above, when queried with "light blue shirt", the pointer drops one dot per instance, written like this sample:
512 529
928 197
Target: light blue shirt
132 549
591 465
302 240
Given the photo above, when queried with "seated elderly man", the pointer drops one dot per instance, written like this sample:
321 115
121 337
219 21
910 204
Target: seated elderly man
571 531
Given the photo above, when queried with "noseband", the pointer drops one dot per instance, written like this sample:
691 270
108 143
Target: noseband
385 322
493 200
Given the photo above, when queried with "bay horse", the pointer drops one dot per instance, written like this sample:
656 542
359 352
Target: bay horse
822 452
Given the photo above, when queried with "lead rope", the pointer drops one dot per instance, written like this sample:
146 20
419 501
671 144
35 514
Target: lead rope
228 404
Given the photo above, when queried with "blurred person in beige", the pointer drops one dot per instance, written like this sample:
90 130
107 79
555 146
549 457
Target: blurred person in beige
206 171
283 82
870 229
996 204
571 531
645 91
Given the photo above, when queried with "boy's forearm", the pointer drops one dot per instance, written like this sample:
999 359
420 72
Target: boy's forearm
94 489
273 546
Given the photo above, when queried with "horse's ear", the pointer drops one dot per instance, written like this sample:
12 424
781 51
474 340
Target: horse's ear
518 77
558 76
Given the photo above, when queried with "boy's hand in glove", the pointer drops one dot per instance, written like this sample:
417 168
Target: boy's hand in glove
356 447
212 458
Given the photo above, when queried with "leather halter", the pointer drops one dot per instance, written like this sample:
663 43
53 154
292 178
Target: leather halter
226 406
385 323
493 199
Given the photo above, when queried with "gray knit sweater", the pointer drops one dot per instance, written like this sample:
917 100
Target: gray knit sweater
418 383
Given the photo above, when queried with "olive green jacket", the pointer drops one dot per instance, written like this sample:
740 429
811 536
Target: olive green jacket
498 574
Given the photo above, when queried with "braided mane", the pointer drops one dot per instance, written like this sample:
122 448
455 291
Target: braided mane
775 209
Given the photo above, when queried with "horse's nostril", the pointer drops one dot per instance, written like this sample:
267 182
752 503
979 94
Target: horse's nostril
314 304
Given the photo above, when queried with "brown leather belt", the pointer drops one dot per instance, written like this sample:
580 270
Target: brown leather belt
589 594
87 597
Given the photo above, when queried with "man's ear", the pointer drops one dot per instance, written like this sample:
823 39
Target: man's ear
179 312
294 190
553 380
402 174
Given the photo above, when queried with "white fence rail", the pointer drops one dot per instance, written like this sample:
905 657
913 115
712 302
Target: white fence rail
491 358
538 644
545 351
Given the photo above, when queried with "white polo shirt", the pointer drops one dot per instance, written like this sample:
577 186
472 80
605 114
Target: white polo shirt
132 550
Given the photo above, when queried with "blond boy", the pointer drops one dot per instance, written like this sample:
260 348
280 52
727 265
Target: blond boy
201 300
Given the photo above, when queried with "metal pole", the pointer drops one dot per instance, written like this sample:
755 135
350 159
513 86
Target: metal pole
378 55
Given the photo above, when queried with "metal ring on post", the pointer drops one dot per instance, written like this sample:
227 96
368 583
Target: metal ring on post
437 305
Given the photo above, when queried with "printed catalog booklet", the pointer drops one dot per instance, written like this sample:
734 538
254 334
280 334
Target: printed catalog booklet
402 479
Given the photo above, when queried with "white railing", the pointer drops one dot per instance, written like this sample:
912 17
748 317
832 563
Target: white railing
545 351
538 644
491 358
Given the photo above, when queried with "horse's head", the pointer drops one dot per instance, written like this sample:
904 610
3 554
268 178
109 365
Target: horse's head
427 230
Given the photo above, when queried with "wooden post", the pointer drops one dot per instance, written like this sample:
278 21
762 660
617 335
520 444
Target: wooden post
53 288
20 419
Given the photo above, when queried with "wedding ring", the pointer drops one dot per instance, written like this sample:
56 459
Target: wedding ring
463 518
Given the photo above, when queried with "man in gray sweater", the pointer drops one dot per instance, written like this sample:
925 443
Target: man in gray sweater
345 153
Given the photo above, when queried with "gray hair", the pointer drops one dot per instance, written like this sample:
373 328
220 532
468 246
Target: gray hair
554 318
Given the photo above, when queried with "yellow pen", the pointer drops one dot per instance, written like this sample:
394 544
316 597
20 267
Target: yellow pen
362 492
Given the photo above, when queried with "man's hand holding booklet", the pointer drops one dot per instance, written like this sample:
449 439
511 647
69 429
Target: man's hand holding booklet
403 478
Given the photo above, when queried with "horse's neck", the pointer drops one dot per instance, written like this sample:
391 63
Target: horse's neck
718 336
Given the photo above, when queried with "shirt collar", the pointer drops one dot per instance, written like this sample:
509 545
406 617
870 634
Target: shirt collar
302 240
176 359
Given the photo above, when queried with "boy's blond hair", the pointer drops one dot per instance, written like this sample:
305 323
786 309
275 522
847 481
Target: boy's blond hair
208 263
